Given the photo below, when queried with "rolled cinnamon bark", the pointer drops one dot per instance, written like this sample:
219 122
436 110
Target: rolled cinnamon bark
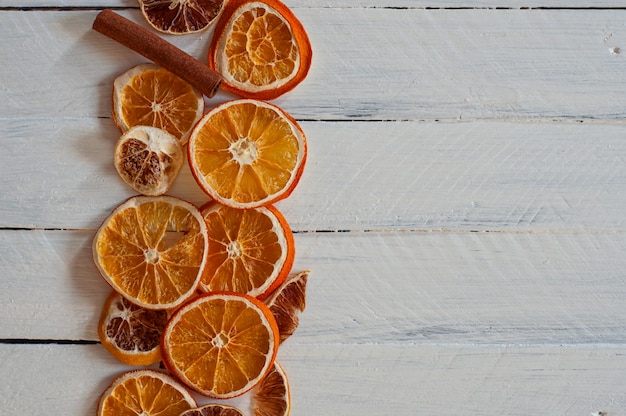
158 50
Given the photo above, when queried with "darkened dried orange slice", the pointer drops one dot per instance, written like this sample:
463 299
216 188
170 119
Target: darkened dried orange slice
220 344
272 396
130 333
250 250
148 159
213 410
152 250
260 48
146 393
179 17
247 153
288 302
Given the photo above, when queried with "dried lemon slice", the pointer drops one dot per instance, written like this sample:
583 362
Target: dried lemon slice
148 95
148 159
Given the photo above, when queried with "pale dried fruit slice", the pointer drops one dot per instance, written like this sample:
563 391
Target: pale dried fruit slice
250 250
288 302
260 48
130 333
147 393
247 153
148 159
213 410
220 344
148 95
152 250
180 17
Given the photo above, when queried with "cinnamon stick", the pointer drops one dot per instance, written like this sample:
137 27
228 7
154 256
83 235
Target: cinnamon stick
158 50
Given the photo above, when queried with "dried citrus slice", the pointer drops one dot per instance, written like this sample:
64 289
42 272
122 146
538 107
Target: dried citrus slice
288 302
179 17
220 344
213 410
148 95
145 392
152 250
148 159
247 153
272 397
260 48
250 250
130 333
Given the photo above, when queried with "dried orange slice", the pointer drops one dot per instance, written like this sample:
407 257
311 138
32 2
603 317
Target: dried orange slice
288 302
272 396
247 153
179 17
148 95
220 344
250 250
213 410
152 250
145 392
130 333
260 48
148 159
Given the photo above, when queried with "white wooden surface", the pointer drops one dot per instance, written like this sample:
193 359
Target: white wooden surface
462 208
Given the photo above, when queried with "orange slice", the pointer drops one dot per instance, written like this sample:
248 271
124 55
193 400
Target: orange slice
180 17
152 250
260 48
288 302
213 410
147 393
148 95
220 344
130 333
247 153
272 397
250 251
148 159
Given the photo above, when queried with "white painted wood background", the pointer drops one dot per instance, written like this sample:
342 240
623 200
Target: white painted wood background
463 208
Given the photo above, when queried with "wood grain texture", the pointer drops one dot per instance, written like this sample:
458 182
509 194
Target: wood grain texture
461 212
387 288
442 64
395 175
368 380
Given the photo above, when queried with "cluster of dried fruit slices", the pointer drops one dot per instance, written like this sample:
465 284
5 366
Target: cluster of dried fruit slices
205 291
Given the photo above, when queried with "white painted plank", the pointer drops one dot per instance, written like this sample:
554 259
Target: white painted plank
345 380
426 64
400 175
389 288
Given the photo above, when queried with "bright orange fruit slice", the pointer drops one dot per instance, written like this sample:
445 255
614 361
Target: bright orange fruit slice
220 344
180 17
288 302
250 251
145 392
148 95
152 250
130 333
247 153
213 410
260 48
148 159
